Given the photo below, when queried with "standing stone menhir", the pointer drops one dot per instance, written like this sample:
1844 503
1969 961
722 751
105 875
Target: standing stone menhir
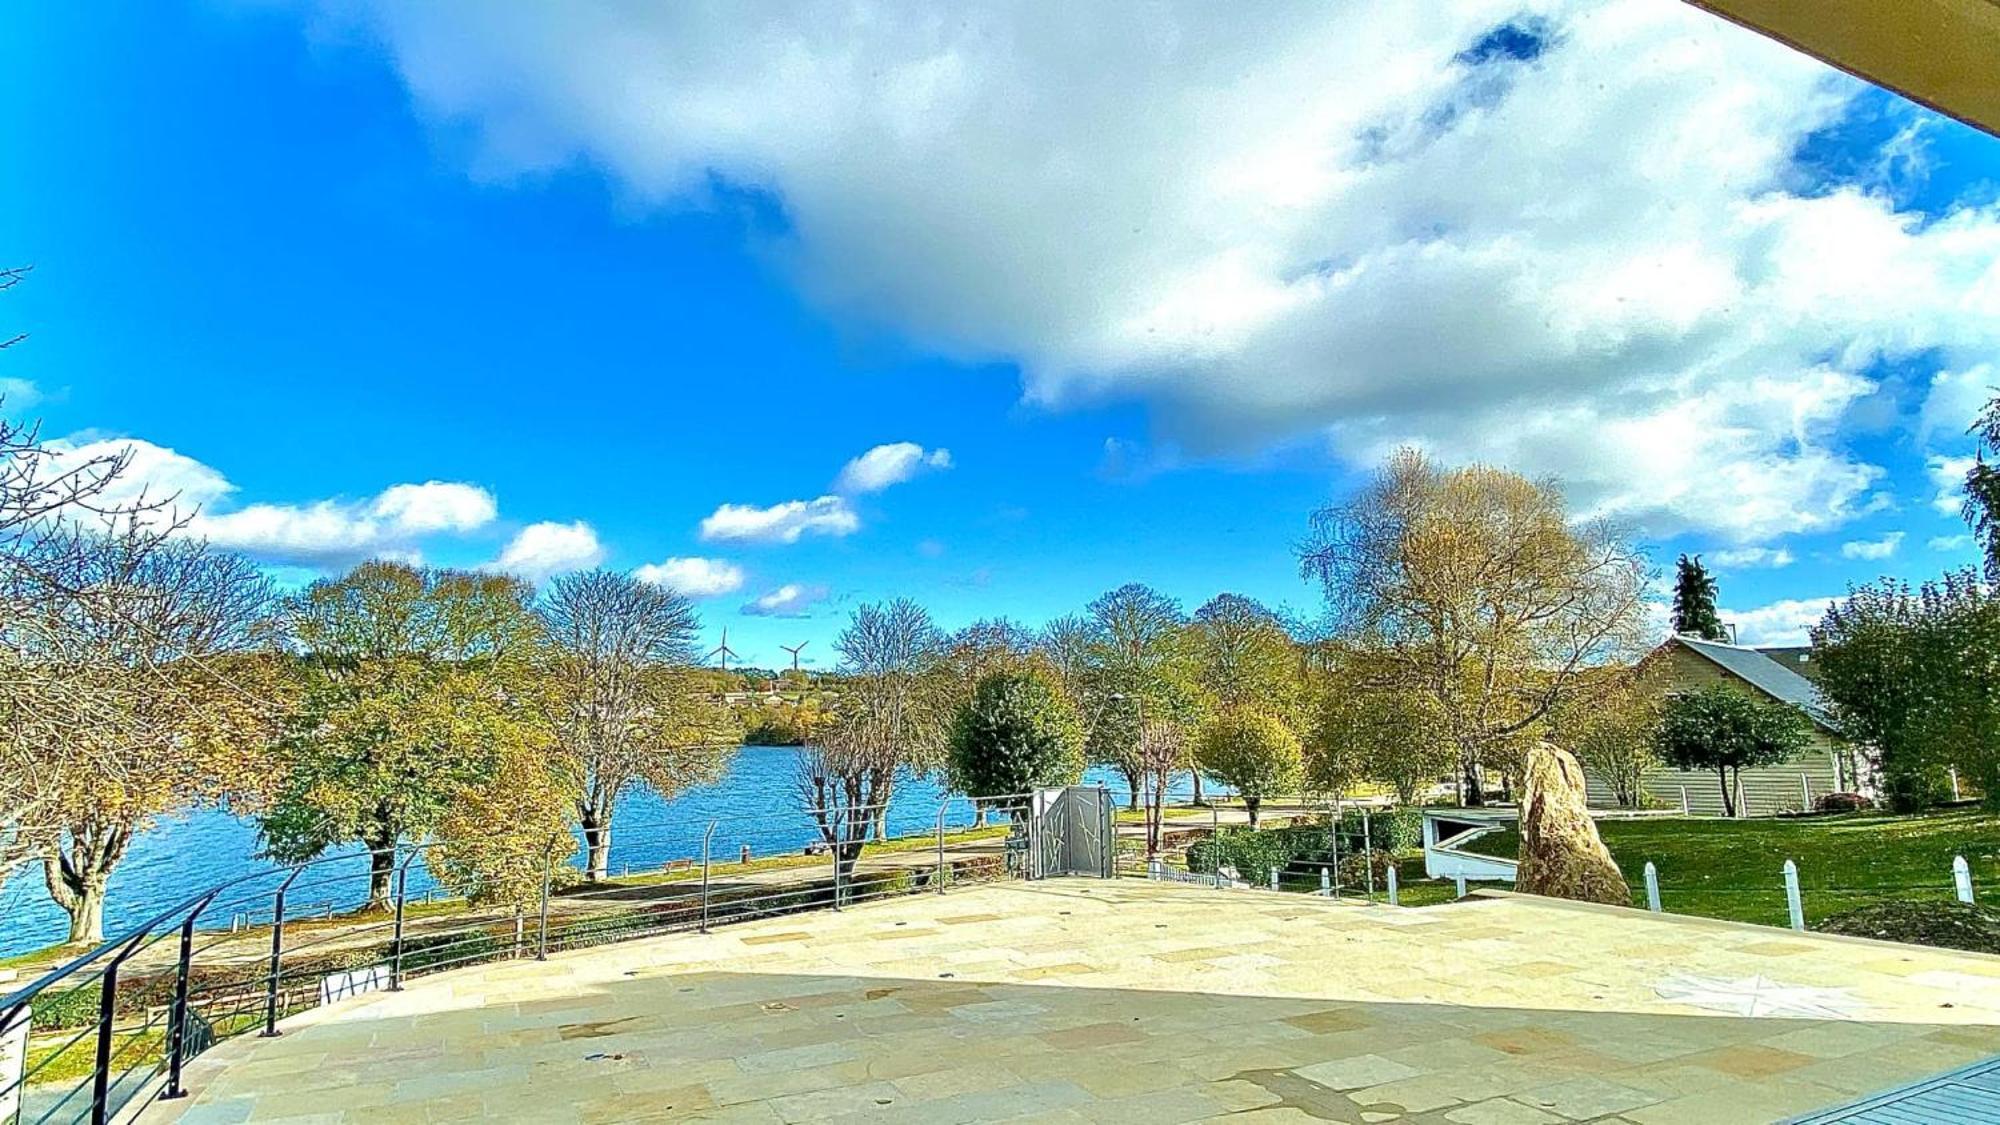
1561 854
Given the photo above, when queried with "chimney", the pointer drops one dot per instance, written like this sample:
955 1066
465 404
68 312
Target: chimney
1730 628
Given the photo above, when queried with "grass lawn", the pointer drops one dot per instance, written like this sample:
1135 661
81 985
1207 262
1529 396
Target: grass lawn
1732 868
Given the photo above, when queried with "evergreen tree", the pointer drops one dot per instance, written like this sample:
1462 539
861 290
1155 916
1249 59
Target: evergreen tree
1694 601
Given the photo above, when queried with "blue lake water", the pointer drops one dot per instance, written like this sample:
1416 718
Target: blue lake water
755 804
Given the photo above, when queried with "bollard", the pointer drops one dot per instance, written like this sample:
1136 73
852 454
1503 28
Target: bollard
1325 883
1390 871
1792 900
1155 870
1961 879
1652 887
1459 877
1274 878
746 855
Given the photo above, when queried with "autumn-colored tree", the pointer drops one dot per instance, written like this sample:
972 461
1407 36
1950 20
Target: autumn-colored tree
1376 732
418 689
1481 592
624 708
153 639
1612 725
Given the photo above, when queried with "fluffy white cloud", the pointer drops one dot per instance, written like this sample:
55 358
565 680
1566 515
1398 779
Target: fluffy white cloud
1367 221
781 523
890 464
1949 542
790 600
1753 558
435 506
1948 474
1780 623
318 533
1955 399
695 577
541 550
1872 548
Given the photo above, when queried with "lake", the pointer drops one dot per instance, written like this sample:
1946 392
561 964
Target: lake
755 803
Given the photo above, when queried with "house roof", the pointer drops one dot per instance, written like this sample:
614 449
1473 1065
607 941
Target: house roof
1762 673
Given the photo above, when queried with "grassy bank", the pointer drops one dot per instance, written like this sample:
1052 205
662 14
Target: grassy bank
1731 868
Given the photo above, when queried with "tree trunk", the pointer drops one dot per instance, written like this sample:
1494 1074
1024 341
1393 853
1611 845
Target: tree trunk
596 845
1475 796
381 844
1197 786
1250 806
1728 795
76 877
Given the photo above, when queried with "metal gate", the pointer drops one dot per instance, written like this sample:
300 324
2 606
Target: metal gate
1073 832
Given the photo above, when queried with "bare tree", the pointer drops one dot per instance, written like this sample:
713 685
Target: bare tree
1479 591
625 709
895 709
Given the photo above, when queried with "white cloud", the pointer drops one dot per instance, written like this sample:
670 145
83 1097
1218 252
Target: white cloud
695 577
435 506
314 534
1872 548
1948 474
781 523
1753 558
542 550
1949 542
885 465
1955 399
17 395
1780 623
1279 221
789 600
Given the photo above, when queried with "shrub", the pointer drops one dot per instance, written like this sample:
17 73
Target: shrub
1252 752
441 951
1946 924
1844 802
1398 830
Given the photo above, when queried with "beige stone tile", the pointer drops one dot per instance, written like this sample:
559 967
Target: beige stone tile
1357 1072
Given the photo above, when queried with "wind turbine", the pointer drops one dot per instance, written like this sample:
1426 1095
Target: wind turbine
794 650
723 650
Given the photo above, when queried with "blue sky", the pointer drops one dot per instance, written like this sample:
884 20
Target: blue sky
620 276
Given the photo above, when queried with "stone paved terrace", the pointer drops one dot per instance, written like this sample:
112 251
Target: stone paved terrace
1086 1000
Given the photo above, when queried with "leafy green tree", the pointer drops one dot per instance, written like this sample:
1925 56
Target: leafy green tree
1017 733
1981 508
1912 674
1613 728
1721 729
1380 733
1252 751
1694 612
417 688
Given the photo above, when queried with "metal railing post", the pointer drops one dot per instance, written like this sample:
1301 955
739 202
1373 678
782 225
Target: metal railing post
177 1027
1368 850
107 1011
939 876
542 933
706 838
396 942
839 832
277 955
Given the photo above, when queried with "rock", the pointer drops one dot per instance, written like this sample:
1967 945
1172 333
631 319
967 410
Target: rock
1561 854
